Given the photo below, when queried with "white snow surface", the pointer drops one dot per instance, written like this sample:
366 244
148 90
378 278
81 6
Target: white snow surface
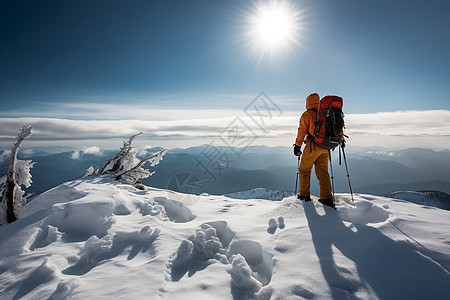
260 193
96 238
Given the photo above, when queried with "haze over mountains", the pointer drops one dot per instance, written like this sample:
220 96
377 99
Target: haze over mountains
222 170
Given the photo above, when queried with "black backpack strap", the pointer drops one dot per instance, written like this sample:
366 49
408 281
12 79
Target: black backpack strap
310 135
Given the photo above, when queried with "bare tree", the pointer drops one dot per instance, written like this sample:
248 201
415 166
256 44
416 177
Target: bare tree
18 174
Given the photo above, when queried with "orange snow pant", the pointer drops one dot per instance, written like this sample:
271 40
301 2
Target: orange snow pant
313 155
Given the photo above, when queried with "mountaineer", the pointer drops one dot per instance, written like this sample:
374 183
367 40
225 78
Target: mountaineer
313 155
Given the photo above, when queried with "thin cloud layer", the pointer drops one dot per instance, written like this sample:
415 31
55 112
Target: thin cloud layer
51 129
433 123
401 123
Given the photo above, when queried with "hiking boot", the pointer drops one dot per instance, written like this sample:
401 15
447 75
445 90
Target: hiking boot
328 202
306 198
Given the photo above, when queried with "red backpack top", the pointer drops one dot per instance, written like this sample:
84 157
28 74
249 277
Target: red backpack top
329 130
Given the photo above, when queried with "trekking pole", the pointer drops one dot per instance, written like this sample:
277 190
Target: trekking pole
348 176
296 179
332 178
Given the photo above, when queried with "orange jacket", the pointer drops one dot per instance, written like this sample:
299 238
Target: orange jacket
308 118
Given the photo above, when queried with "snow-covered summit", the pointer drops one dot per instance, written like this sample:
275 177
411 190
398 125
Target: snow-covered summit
261 193
96 238
430 198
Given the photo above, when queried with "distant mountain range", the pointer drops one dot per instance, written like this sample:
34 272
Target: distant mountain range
428 198
223 170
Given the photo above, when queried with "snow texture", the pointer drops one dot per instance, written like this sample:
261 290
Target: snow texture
241 275
23 175
97 238
260 193
90 171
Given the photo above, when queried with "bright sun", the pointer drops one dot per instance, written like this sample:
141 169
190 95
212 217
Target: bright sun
274 28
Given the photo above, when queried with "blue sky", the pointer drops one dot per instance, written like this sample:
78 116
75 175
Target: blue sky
99 60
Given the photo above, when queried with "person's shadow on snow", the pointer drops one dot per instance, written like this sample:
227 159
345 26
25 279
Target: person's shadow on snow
386 269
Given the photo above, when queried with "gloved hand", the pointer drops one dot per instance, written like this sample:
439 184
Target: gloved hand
297 151
343 141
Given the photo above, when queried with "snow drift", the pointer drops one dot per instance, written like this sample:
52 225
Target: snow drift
97 238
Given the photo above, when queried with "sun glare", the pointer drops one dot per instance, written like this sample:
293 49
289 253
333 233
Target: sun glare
273 28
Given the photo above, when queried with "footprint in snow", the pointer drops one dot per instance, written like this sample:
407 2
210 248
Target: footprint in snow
96 250
273 225
214 242
194 254
167 209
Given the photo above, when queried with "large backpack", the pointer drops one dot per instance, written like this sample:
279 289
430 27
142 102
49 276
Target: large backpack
329 129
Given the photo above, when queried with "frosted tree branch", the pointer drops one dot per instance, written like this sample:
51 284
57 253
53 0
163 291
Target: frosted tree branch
138 172
18 174
116 163
125 166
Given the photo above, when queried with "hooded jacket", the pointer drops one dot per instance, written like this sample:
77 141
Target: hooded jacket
308 118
